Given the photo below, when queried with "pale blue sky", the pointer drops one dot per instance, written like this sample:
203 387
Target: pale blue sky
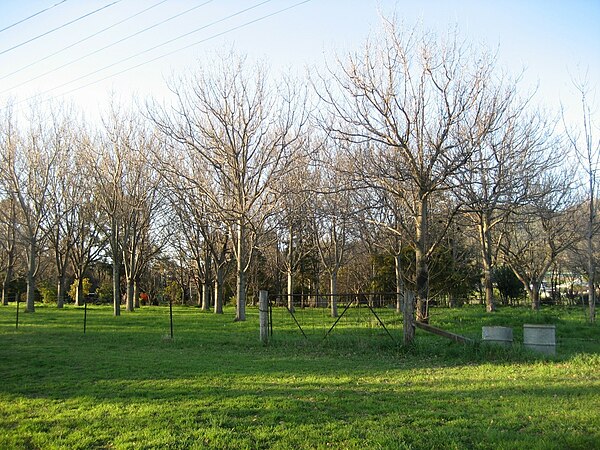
550 39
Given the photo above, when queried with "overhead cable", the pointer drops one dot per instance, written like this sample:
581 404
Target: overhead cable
59 27
79 58
83 40
139 53
32 16
165 54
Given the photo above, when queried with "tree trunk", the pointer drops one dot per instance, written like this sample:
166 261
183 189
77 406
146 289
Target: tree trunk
129 295
60 291
7 279
4 293
333 292
422 269
485 237
592 298
591 270
452 300
78 291
200 293
290 259
399 283
219 290
116 288
240 313
10 254
422 284
290 289
535 295
31 270
206 296
136 294
208 267
408 314
488 288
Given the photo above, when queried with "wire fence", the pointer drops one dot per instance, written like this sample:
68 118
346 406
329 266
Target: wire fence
340 316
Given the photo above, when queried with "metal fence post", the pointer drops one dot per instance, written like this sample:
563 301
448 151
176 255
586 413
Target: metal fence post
84 314
17 322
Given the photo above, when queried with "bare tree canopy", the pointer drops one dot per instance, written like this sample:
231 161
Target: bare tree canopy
409 102
230 118
586 146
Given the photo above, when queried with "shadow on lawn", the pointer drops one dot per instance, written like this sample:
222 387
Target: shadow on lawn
518 408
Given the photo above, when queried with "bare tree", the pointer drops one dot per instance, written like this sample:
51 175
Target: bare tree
88 243
206 238
382 227
8 211
8 221
411 98
244 129
498 178
27 166
295 199
142 208
107 159
587 150
189 233
333 220
540 231
64 196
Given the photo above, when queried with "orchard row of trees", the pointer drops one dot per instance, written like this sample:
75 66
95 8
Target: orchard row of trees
415 156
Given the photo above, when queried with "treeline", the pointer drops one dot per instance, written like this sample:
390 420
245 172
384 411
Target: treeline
414 166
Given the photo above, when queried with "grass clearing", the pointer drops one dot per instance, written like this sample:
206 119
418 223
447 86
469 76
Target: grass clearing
125 384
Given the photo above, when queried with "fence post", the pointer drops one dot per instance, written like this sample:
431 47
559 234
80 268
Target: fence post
84 314
263 315
171 315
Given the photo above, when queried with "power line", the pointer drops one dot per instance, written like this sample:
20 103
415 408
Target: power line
82 40
143 51
78 59
165 54
59 27
32 16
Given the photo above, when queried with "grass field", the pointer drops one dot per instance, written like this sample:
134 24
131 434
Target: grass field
126 385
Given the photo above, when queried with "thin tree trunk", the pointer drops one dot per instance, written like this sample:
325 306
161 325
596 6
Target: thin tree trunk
31 276
4 293
218 294
116 288
129 297
290 289
399 283
206 296
240 313
206 281
10 254
60 291
486 257
136 294
591 269
7 279
422 269
290 279
535 295
408 314
333 292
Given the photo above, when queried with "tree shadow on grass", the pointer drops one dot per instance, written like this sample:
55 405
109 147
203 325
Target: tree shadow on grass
459 410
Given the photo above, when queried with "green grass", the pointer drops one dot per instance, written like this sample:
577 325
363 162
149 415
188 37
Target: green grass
126 385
